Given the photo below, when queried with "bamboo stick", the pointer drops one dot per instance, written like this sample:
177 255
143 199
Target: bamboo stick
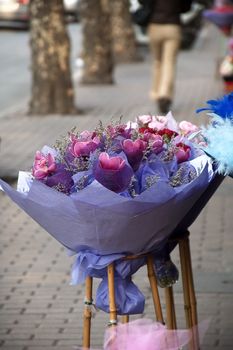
125 319
170 308
184 273
191 284
112 306
154 289
186 290
169 311
111 291
174 312
87 313
193 301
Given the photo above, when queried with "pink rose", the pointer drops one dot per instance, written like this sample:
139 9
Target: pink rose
144 119
133 147
43 166
134 151
187 127
79 148
114 163
182 152
158 123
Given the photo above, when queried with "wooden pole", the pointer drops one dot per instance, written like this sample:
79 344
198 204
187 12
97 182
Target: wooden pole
170 308
111 291
191 283
87 313
125 318
112 307
193 301
154 289
184 272
186 290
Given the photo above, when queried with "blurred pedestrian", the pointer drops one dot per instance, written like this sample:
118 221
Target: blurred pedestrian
164 32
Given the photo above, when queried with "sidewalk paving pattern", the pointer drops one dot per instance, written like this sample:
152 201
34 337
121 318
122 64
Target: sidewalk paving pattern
38 308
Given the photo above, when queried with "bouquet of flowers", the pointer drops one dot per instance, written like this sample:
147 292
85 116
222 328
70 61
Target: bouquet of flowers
117 190
99 187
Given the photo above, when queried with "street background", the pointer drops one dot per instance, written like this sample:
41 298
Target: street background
38 308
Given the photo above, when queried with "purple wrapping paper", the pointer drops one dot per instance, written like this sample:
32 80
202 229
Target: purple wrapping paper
129 300
193 213
103 222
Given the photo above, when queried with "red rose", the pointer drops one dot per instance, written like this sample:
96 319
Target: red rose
167 132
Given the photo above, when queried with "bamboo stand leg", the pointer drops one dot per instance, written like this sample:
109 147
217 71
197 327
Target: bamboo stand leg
191 284
173 310
170 308
112 306
186 289
111 291
192 293
185 281
171 314
154 289
125 319
87 313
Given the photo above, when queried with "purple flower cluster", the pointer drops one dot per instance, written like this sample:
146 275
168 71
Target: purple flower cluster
125 158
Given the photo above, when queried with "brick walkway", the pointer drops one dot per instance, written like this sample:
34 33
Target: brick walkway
38 308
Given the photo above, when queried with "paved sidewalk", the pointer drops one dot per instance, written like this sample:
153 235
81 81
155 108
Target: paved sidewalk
38 308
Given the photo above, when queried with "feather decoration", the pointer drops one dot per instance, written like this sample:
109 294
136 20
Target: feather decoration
219 137
223 107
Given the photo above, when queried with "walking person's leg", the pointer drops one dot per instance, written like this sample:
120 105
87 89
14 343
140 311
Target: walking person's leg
170 48
156 53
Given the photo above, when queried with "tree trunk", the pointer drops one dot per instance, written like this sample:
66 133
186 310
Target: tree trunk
52 90
124 41
97 43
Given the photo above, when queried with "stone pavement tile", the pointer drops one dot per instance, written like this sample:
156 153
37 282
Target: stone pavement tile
25 343
11 347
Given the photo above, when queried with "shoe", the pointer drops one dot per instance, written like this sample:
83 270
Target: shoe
164 105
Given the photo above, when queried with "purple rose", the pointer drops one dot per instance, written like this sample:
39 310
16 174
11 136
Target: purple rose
61 180
113 173
134 151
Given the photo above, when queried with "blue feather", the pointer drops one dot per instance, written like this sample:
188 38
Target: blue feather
219 136
223 107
